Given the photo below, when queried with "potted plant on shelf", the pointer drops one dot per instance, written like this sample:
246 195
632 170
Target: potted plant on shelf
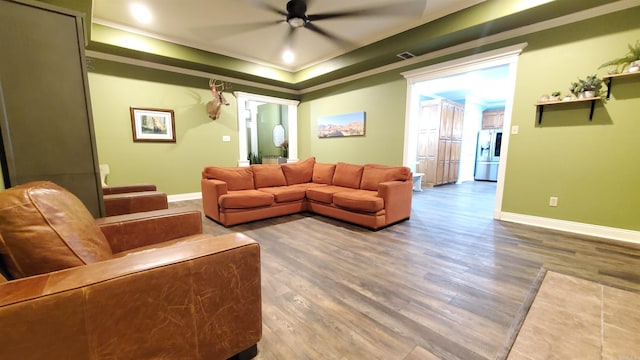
631 60
577 89
591 86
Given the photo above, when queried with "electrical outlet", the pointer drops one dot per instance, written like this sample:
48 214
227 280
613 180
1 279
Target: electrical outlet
553 201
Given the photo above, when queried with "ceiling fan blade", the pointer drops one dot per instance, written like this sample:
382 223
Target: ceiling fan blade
234 29
341 41
265 6
405 8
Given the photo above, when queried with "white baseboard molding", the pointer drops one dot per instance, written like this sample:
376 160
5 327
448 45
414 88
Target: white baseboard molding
625 235
183 197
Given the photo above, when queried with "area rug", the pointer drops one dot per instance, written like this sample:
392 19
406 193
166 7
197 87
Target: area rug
565 317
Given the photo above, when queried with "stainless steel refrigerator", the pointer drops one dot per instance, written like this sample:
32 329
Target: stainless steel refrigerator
488 154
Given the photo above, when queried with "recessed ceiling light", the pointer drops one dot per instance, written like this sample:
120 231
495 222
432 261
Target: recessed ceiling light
141 13
288 56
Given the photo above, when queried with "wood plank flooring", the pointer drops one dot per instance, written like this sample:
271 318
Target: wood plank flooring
445 284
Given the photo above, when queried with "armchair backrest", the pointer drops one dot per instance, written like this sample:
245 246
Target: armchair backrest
44 228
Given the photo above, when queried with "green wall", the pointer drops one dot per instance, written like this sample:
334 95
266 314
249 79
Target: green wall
384 106
174 167
591 166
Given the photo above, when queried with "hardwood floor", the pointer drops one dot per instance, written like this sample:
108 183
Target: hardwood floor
445 284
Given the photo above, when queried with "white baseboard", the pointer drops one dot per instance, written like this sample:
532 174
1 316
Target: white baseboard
183 197
630 236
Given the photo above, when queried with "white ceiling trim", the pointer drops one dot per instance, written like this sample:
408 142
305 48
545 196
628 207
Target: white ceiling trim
184 71
525 30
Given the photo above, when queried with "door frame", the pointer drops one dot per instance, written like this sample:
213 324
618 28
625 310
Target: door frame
504 56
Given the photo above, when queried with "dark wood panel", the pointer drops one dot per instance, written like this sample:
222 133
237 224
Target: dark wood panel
446 284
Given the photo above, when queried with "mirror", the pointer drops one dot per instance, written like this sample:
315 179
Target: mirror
267 129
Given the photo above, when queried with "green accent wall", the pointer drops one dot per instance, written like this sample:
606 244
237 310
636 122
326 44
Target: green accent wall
591 166
384 107
174 167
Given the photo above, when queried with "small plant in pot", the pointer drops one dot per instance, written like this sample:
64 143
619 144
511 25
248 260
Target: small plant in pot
577 89
591 86
631 60
555 96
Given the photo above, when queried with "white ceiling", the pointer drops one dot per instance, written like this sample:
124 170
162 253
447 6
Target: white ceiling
226 26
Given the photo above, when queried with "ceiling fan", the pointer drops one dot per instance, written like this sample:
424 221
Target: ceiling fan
296 14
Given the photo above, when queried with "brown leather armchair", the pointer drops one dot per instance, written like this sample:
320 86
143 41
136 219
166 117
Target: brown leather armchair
127 199
140 286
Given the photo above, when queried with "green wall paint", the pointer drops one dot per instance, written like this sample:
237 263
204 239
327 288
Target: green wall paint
592 167
269 115
174 167
384 105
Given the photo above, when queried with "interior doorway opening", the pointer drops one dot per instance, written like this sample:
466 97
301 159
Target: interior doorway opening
446 104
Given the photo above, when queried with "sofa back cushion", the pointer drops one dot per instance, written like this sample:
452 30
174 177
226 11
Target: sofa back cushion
240 178
373 174
323 173
347 175
266 175
44 228
300 172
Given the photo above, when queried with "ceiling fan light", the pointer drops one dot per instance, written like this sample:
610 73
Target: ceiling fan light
296 22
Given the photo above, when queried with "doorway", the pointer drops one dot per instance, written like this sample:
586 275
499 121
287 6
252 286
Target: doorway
435 82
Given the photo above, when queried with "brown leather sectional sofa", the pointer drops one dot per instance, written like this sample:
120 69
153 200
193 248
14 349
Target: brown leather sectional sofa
373 196
147 285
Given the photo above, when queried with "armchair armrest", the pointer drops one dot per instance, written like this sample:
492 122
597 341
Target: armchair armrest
397 197
120 189
196 300
130 231
212 190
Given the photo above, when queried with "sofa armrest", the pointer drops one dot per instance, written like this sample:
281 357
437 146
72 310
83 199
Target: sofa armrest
212 189
397 197
120 189
132 202
197 300
130 231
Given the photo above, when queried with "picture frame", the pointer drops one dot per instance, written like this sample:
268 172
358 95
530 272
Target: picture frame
152 125
352 124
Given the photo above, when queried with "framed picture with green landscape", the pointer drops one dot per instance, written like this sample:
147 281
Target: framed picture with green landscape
153 125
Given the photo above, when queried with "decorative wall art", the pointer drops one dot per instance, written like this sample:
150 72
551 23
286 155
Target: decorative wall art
153 125
351 124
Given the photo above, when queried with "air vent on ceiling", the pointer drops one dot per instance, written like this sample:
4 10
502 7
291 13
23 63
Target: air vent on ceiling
405 55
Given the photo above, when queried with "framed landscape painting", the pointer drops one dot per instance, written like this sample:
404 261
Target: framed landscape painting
153 125
351 124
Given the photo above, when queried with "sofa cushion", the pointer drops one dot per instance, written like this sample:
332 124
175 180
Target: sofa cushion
372 175
245 199
285 193
323 173
324 194
360 200
347 175
268 175
300 172
240 178
44 228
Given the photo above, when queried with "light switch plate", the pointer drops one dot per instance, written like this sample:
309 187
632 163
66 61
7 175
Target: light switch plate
226 138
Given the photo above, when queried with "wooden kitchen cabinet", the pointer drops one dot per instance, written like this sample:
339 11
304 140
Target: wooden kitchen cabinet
439 141
492 119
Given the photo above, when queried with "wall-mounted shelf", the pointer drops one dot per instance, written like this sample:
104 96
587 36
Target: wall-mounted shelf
609 80
541 105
